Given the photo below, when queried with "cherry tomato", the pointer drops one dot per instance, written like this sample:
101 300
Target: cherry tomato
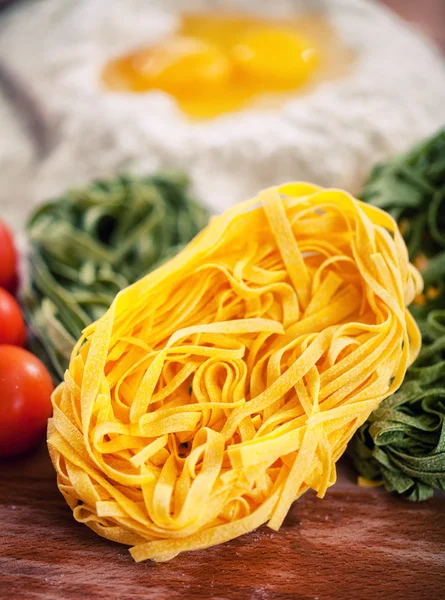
25 400
8 260
12 325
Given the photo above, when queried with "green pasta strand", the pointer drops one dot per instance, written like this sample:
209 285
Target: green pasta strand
90 243
403 441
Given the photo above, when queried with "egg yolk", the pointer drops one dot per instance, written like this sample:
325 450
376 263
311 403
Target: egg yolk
213 65
275 56
179 66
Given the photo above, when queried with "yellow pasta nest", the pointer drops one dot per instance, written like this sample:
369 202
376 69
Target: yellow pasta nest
219 388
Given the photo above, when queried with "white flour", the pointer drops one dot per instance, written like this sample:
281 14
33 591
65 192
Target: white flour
16 156
394 96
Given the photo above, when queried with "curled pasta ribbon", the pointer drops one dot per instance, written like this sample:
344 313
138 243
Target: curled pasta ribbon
219 388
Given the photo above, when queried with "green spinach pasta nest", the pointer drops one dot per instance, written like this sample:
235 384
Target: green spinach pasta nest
402 443
90 243
403 440
411 188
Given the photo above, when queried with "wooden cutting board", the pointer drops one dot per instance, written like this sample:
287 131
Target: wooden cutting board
355 544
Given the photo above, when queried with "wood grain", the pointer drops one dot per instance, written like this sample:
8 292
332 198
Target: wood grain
355 544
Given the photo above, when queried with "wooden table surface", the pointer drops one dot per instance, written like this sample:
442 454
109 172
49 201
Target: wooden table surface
358 544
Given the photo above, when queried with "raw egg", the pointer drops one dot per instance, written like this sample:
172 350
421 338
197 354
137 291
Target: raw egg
275 57
215 64
179 66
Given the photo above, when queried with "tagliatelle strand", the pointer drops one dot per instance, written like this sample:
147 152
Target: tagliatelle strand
219 388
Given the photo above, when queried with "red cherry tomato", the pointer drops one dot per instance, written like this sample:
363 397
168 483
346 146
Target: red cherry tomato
12 325
25 400
8 260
